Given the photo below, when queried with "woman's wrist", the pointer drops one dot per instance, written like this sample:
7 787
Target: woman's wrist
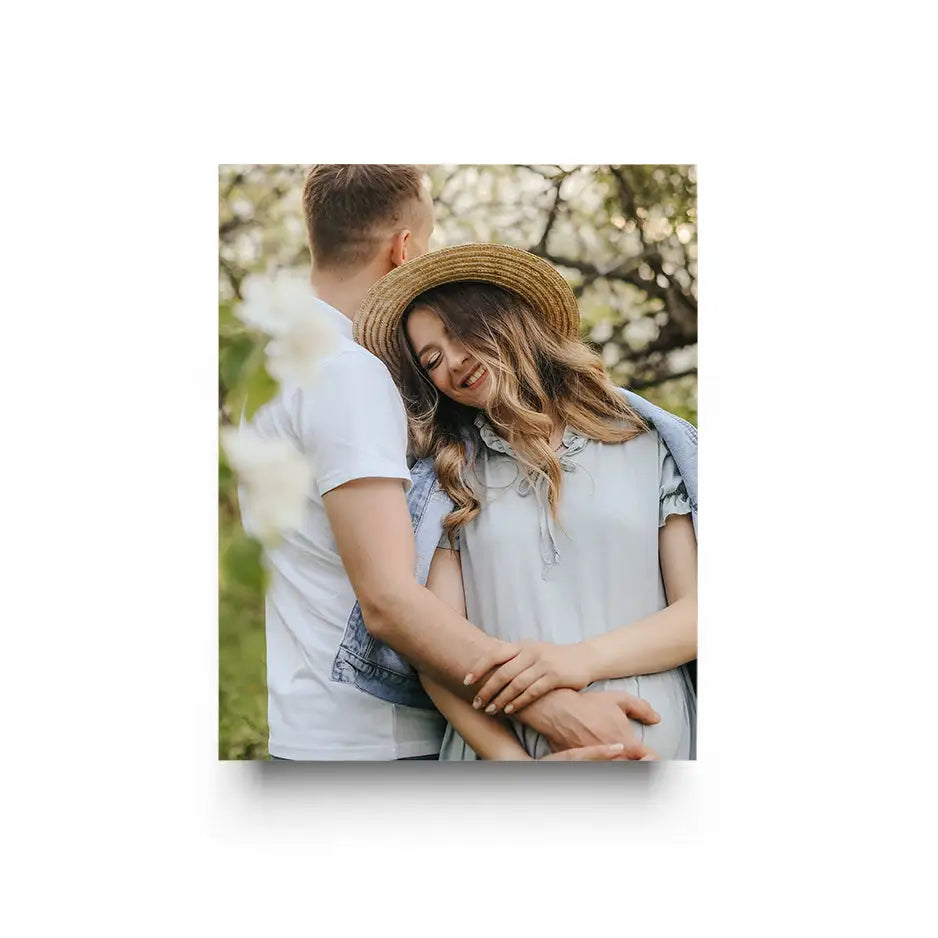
589 660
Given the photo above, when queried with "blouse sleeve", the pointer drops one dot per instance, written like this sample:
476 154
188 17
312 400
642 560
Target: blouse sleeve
672 495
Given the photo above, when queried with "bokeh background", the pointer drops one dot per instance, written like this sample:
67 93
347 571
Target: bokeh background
625 237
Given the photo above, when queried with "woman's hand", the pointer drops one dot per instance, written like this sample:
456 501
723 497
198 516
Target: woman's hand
536 668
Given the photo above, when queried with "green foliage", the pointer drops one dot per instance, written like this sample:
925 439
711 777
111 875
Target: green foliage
233 357
242 696
259 389
243 380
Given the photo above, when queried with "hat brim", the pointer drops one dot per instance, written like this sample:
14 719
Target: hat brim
531 277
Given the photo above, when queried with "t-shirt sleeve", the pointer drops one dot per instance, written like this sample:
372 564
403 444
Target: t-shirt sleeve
672 495
352 423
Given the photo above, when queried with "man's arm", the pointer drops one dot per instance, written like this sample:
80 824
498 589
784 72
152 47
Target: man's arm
374 536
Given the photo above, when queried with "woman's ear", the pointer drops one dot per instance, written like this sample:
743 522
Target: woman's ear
400 245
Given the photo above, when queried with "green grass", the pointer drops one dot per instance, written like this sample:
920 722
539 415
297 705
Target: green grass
242 689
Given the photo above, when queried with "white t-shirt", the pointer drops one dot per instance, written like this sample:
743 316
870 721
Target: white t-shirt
351 423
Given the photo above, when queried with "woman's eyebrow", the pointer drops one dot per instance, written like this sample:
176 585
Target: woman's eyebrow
428 345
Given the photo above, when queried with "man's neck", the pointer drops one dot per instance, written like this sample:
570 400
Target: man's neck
345 290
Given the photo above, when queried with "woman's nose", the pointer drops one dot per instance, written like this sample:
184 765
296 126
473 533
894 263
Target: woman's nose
457 357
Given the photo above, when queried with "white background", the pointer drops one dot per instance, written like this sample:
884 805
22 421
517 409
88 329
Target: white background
810 807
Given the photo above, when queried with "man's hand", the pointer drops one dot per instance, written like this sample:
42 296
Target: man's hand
571 720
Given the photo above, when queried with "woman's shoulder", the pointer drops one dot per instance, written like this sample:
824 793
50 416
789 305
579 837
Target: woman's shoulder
640 435
644 448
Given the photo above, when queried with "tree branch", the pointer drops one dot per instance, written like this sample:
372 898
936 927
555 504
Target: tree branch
626 196
233 277
660 379
625 273
627 199
551 215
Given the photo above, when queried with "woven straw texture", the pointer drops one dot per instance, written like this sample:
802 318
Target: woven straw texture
532 278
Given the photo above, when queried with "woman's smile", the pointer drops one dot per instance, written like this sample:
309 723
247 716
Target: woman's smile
476 378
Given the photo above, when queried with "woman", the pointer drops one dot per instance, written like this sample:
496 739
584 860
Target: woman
571 538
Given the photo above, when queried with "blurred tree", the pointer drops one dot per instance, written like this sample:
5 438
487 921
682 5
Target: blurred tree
625 237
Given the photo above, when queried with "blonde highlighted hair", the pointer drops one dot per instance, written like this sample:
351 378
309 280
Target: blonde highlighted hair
537 375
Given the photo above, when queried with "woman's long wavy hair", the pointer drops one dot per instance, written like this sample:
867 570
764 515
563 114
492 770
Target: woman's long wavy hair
535 374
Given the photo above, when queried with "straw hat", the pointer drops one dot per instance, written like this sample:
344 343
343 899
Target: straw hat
532 278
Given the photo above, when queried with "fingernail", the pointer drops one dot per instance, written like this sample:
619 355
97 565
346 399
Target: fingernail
467 680
477 703
616 747
509 708
490 708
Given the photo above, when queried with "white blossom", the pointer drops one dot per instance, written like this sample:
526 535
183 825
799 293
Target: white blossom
285 307
271 303
294 356
274 481
602 331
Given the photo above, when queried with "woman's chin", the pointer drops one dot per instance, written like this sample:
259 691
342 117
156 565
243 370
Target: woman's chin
476 401
478 396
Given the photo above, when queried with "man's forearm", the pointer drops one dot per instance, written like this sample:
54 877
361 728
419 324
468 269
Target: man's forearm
379 562
540 715
429 634
436 640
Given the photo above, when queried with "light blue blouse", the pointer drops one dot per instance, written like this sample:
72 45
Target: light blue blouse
593 569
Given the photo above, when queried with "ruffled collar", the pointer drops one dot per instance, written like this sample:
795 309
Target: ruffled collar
572 442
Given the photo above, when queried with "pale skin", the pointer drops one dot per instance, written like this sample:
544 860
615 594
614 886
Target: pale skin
513 676
379 562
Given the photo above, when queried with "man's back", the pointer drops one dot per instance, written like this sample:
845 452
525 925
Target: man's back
350 424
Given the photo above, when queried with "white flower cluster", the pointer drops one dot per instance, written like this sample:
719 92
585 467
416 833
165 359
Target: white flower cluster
285 308
274 478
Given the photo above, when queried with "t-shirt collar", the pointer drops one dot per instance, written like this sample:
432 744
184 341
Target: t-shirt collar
339 319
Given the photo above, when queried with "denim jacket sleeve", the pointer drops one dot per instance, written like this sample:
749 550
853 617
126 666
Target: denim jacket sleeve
371 665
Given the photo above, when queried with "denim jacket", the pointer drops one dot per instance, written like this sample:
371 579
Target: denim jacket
374 667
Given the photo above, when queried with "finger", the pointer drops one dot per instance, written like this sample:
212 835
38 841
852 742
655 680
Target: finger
635 707
635 750
603 753
520 684
540 687
639 752
500 679
498 653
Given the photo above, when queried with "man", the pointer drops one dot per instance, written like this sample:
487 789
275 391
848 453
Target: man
356 537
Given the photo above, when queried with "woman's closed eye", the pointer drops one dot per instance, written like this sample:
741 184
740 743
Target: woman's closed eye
432 361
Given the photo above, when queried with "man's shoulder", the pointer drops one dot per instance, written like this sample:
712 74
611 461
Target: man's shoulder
349 380
349 358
